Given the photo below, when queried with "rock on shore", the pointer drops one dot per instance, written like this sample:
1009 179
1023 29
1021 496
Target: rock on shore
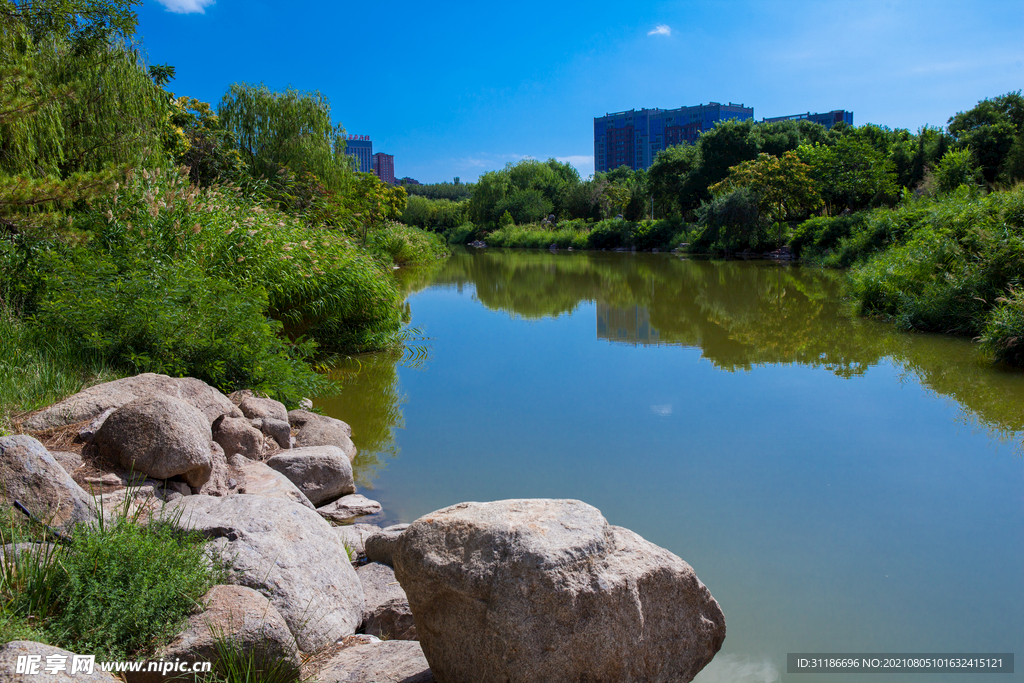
547 590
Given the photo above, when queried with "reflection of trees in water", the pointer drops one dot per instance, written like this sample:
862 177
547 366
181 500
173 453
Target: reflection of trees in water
371 404
739 314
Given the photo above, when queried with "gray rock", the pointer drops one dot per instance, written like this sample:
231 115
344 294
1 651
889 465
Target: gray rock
545 590
288 553
9 653
354 536
319 430
29 474
159 436
347 508
306 404
381 545
257 479
92 402
390 661
279 430
223 480
68 461
323 473
237 436
387 614
263 408
236 614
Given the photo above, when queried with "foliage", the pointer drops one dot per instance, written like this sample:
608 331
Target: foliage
1003 335
209 153
37 369
850 174
957 268
529 190
433 214
732 221
405 245
783 186
957 168
119 589
290 129
454 192
994 131
73 112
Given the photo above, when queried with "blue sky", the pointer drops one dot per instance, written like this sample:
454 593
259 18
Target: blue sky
458 89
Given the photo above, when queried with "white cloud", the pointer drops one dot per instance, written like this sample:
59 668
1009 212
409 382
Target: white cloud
665 409
660 30
737 669
186 6
581 162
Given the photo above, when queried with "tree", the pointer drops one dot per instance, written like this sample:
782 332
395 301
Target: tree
77 108
783 186
850 174
290 129
993 130
671 178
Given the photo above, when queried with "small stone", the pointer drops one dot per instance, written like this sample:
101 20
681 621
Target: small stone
348 508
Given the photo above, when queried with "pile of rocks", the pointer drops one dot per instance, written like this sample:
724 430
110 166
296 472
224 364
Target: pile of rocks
526 590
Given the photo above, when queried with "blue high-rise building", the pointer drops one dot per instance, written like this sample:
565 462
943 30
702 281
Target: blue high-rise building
827 119
633 138
360 147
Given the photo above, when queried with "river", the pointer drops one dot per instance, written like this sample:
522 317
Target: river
840 486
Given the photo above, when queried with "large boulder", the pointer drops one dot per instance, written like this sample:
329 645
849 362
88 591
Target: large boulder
288 553
389 661
320 430
387 614
257 479
237 615
323 473
62 662
29 474
159 436
347 508
547 590
90 403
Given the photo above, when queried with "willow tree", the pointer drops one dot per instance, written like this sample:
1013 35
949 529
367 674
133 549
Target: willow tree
77 107
282 132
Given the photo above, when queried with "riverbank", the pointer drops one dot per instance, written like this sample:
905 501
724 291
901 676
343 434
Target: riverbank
178 472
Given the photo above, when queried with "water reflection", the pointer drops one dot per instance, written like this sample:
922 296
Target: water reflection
371 402
739 315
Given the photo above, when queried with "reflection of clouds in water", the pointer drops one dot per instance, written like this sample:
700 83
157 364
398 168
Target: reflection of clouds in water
662 410
737 669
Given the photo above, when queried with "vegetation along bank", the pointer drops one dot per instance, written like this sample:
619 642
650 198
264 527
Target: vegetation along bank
930 223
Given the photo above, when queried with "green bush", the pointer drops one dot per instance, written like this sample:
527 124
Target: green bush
957 267
1003 336
171 318
463 234
405 245
118 590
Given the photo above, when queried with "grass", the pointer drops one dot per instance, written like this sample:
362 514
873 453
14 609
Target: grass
38 369
235 664
608 234
118 590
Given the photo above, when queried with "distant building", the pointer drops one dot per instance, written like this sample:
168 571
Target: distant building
827 119
361 147
631 325
384 167
633 138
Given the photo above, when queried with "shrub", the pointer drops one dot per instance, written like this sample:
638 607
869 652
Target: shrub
118 590
406 245
148 316
1003 336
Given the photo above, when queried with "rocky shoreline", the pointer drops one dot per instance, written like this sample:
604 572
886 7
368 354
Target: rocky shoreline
519 590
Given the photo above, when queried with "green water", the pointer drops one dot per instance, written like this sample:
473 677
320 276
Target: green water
838 485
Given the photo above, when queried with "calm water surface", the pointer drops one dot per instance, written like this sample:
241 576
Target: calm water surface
838 485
